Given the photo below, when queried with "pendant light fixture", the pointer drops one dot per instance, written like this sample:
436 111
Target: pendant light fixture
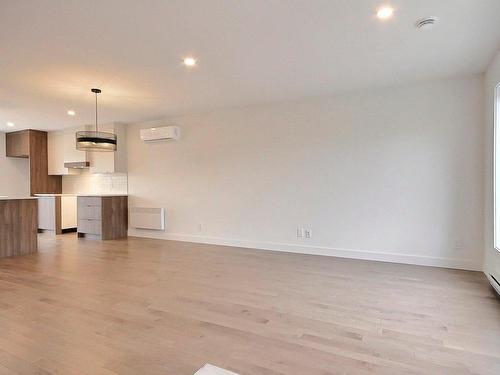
94 140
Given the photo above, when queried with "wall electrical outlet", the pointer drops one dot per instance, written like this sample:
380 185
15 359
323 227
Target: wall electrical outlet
200 227
308 233
300 232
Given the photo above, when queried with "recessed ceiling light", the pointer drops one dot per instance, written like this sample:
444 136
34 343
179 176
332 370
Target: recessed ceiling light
71 112
189 61
10 124
385 12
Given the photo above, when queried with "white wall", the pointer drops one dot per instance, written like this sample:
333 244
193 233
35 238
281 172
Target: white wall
492 256
14 174
393 174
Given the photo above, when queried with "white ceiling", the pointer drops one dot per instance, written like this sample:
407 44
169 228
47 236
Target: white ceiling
249 51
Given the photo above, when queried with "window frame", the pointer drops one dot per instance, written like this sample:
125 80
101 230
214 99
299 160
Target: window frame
496 148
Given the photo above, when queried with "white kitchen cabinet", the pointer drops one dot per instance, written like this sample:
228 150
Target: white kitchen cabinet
56 212
47 210
111 162
62 149
55 152
104 217
68 212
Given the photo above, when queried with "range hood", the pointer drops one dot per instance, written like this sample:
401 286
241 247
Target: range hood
77 165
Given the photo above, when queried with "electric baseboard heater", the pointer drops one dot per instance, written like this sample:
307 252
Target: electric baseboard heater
147 218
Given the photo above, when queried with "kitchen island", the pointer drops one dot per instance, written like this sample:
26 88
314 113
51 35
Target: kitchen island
18 226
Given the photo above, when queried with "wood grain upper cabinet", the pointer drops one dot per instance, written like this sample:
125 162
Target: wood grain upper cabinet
40 181
32 144
17 144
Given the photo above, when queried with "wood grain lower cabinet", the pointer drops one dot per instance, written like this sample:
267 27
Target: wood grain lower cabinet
104 217
18 227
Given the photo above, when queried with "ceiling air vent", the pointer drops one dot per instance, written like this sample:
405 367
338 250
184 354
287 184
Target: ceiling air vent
426 23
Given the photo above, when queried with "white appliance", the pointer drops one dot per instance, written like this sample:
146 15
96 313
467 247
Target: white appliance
160 134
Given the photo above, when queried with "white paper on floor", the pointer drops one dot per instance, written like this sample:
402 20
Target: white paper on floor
212 370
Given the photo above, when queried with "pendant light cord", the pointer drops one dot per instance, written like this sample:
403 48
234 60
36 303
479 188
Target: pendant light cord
96 129
96 91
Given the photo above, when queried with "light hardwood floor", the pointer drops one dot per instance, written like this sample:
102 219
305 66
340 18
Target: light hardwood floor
141 306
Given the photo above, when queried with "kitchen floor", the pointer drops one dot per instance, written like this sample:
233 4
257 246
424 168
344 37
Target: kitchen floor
141 306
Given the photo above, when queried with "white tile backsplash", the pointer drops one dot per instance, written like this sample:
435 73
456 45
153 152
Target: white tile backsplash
94 183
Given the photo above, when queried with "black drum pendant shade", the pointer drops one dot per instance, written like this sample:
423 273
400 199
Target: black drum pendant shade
94 140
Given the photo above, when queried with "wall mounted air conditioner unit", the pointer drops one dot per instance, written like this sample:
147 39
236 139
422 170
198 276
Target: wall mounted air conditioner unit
160 134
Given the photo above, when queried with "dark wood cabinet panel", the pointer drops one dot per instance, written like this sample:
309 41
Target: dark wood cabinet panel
114 217
17 144
18 227
40 181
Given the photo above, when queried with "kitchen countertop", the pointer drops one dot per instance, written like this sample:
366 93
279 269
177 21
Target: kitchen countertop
80 195
102 195
55 195
3 198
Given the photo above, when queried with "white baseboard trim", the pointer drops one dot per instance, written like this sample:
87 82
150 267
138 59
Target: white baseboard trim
383 256
212 370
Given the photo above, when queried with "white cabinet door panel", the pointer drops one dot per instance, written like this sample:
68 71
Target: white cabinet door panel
68 212
90 226
47 213
89 201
